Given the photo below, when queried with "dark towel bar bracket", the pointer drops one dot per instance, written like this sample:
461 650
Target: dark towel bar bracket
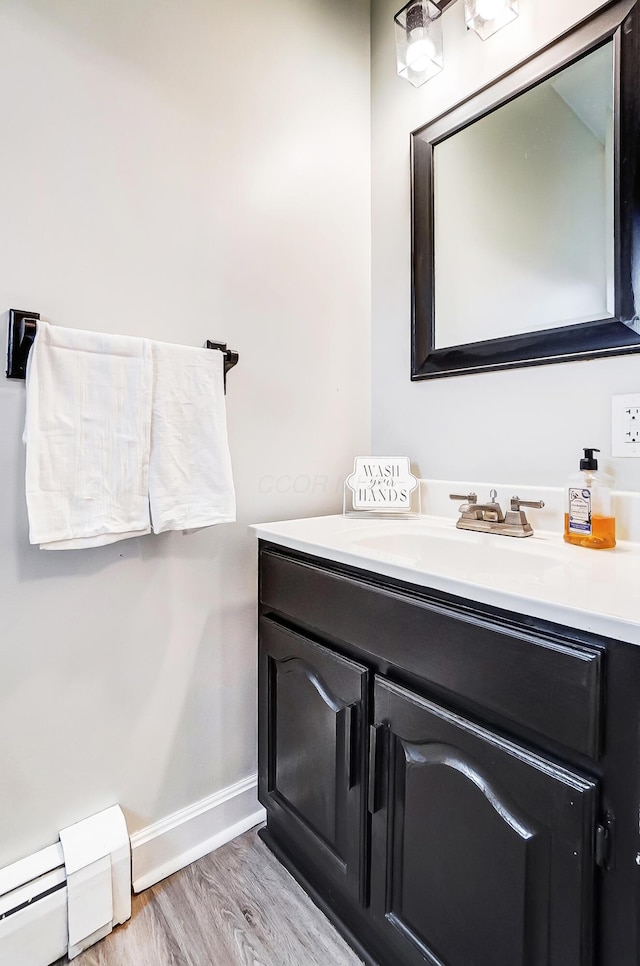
230 357
22 331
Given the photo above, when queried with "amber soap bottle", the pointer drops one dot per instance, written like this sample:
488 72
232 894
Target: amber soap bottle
588 518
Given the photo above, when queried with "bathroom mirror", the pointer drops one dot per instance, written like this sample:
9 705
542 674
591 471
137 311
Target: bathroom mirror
526 210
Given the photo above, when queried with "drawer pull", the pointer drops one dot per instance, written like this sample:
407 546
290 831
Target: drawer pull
350 731
375 743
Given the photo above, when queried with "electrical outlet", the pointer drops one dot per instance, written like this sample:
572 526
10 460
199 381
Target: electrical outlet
633 424
625 425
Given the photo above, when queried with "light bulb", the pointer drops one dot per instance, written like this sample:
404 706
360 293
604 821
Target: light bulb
490 9
420 54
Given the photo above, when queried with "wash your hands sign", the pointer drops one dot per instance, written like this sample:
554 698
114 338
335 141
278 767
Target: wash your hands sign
382 483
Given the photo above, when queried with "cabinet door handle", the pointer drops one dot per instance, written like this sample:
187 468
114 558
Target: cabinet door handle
350 728
375 734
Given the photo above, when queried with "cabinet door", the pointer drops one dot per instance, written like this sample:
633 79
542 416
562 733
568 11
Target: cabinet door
482 851
312 705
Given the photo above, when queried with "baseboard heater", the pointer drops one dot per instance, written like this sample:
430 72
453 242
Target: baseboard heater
66 897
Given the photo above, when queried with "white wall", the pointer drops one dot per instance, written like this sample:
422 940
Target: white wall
175 171
524 425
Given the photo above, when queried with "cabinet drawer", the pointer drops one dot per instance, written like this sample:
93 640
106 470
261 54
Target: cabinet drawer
529 677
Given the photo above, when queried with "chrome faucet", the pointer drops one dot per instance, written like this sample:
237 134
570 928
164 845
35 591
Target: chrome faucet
489 517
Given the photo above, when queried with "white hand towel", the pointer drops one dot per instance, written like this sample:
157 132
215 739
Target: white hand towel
190 479
87 434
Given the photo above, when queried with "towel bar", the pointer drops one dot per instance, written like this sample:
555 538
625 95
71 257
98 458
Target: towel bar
22 331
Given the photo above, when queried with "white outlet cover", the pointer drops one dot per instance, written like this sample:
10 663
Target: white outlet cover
625 424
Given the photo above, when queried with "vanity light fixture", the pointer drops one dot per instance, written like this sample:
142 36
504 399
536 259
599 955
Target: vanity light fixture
419 32
486 17
418 41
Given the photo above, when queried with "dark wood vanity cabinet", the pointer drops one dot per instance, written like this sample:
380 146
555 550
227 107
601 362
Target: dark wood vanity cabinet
454 785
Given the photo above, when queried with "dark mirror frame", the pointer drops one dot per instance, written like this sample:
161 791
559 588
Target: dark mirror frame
620 21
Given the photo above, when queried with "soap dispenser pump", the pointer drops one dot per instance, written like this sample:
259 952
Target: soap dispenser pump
588 519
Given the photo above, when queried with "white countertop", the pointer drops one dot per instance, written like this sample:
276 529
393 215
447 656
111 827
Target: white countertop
592 590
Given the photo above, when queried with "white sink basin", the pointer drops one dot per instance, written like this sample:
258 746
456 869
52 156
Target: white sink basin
458 552
463 554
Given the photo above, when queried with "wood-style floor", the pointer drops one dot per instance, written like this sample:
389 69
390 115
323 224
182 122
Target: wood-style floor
236 907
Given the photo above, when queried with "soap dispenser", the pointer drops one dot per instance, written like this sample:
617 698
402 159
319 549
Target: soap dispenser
588 519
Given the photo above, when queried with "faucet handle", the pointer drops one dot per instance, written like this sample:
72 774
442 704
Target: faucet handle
467 497
516 503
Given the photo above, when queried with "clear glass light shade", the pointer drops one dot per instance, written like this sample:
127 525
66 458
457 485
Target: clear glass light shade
488 16
418 41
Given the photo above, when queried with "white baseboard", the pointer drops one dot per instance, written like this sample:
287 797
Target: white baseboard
187 835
